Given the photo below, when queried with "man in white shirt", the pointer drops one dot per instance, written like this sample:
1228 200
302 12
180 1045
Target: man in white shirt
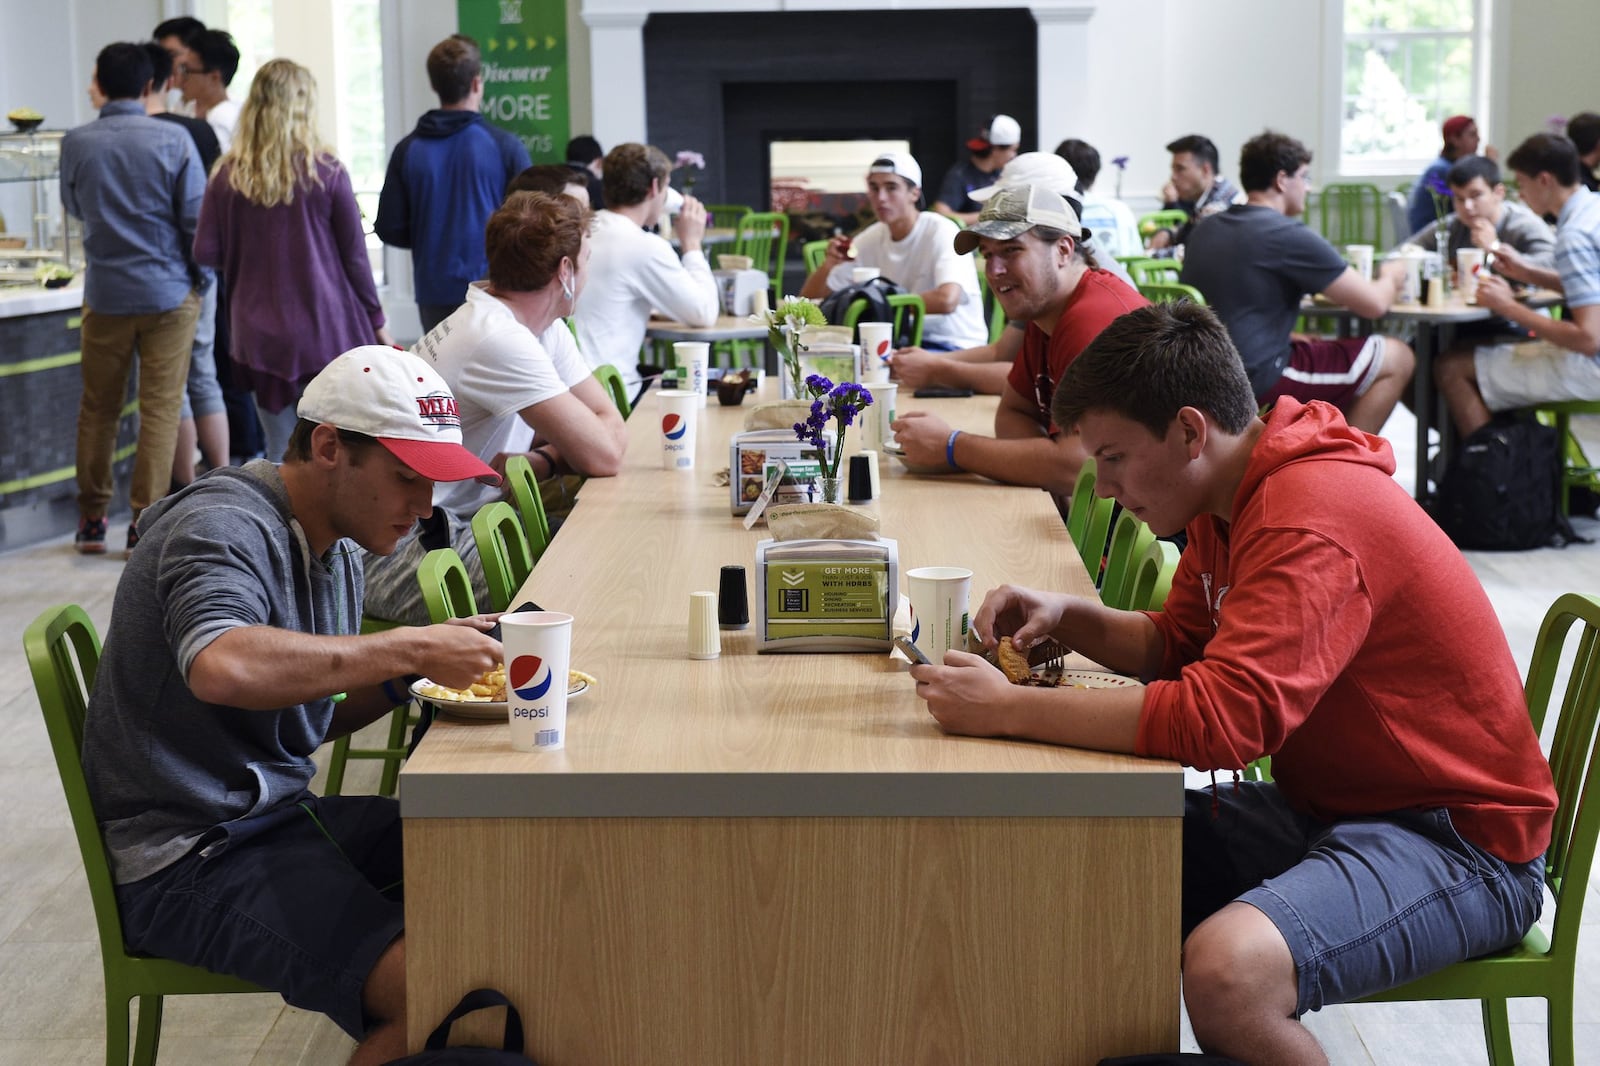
632 271
913 248
520 385
1116 231
209 63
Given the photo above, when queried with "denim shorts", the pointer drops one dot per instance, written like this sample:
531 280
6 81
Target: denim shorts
1365 904
305 907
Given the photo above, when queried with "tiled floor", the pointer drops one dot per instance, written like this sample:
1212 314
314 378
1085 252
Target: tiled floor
50 984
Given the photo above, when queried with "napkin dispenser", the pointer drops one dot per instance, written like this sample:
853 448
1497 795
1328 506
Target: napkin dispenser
825 595
753 456
738 287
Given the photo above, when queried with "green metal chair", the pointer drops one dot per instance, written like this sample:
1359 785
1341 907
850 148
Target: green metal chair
1544 964
1152 580
530 505
1352 213
393 753
1170 292
1155 220
764 237
726 216
1147 271
1576 468
812 253
446 587
992 309
1089 520
902 303
1130 538
63 654
502 550
611 378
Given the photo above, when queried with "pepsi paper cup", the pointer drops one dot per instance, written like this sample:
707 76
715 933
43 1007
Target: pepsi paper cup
538 651
938 597
680 410
695 357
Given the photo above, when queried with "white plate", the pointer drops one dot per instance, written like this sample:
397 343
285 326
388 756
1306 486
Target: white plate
1096 679
487 709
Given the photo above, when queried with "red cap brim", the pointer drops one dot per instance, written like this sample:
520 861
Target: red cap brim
978 144
440 460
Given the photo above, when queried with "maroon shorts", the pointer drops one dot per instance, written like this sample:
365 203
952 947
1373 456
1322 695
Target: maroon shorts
1334 370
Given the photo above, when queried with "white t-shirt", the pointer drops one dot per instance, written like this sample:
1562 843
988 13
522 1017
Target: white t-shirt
632 273
224 119
495 366
925 260
1116 231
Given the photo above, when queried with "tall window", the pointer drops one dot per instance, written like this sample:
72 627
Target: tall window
1408 65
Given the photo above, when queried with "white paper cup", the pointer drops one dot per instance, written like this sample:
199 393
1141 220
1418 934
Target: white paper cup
1469 263
881 413
538 652
680 411
861 275
877 345
1412 292
1360 258
939 608
694 356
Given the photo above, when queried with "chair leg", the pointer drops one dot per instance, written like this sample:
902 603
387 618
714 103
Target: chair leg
116 1026
148 1040
399 719
1558 1022
336 764
1497 1033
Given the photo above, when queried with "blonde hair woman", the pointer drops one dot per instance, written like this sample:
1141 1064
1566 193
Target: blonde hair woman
281 226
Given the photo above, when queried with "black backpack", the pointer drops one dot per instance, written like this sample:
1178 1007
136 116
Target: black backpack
1503 491
876 292
438 1054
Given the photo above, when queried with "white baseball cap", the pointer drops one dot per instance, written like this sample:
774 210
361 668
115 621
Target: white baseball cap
1034 168
897 163
1003 132
399 399
1015 210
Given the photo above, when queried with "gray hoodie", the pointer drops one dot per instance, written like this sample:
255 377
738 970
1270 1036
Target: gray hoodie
165 770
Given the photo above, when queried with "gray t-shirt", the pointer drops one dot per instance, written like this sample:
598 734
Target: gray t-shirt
165 770
1253 264
1518 227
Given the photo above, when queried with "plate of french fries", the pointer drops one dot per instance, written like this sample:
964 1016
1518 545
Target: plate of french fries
486 697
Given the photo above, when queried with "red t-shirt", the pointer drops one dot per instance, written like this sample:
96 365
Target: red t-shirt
1100 297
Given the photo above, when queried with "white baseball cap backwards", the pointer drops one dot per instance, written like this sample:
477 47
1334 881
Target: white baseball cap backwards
1003 132
1015 210
399 399
1034 168
898 163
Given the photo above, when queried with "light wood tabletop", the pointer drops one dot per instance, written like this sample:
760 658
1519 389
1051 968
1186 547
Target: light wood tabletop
726 328
776 858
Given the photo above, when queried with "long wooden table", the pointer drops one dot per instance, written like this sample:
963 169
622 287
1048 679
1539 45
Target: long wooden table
767 859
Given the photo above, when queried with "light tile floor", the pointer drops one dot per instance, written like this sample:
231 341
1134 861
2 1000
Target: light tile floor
50 983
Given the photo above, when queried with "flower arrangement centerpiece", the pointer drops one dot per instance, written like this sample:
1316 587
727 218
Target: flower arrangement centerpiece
689 162
784 324
1121 163
839 404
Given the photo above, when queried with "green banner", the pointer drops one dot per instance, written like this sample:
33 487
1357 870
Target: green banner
525 89
827 597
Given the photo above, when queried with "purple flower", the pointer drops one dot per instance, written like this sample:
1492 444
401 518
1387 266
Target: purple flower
1437 185
1120 162
1556 124
687 158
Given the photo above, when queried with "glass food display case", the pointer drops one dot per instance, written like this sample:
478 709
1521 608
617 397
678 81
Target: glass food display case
34 228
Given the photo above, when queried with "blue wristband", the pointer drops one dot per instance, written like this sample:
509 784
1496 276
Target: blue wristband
950 449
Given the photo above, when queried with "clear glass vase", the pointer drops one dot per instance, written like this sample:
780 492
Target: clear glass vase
832 489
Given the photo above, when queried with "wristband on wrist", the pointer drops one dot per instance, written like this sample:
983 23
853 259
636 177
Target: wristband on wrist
950 449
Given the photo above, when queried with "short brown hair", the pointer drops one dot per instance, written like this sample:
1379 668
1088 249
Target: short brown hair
553 179
299 447
1547 153
628 171
1267 154
1150 363
452 65
529 236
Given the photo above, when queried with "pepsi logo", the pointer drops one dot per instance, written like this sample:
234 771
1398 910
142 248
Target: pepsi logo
529 676
883 348
916 627
673 426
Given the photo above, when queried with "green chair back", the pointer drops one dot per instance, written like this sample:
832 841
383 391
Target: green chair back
611 379
63 652
1155 220
530 505
764 237
1352 213
1147 271
992 309
1170 292
1089 520
503 551
812 253
1543 965
446 586
726 216
1130 538
1152 579
902 303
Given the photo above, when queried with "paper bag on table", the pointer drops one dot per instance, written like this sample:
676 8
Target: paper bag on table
820 521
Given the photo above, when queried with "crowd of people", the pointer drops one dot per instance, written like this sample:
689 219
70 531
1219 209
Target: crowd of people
224 234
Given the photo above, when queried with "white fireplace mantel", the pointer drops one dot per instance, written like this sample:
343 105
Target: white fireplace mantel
616 48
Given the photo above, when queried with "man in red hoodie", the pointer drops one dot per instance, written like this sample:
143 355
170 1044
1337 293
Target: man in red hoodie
1412 807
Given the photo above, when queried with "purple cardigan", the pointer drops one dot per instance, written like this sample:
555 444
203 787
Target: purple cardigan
299 283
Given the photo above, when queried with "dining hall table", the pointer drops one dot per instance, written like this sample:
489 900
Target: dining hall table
781 858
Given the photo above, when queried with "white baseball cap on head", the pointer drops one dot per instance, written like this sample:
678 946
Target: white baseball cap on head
897 163
1003 132
399 399
1034 168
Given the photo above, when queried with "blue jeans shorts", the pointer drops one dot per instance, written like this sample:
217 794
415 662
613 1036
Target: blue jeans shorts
1365 904
304 907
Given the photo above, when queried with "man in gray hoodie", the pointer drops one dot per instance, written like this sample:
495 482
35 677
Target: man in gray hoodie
233 653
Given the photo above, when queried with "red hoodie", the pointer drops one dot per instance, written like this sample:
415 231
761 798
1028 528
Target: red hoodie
1356 647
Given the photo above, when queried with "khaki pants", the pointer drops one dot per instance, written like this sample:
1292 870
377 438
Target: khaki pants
163 341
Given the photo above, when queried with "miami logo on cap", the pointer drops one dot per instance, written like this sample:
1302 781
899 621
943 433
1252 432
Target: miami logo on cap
673 425
529 676
439 409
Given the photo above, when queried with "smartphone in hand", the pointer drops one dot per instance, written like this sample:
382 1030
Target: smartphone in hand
525 605
911 651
